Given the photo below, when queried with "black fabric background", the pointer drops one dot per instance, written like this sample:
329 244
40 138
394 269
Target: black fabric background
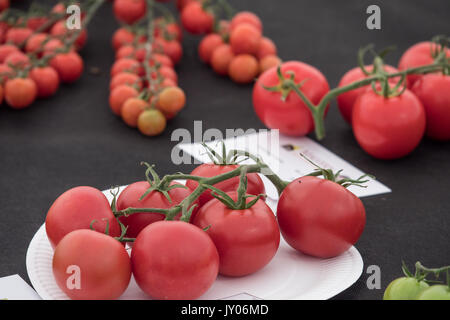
73 139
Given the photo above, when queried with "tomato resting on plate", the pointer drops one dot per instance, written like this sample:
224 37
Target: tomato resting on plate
246 239
319 217
174 260
291 116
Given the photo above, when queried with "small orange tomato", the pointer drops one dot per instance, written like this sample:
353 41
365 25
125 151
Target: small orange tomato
245 38
221 58
46 79
20 92
151 122
244 68
119 95
130 79
131 110
171 100
268 62
208 45
266 47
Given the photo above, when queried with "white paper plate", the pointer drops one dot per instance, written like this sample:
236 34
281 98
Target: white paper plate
290 275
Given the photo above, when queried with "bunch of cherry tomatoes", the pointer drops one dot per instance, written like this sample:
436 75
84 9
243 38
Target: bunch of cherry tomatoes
234 48
183 236
144 88
37 53
390 109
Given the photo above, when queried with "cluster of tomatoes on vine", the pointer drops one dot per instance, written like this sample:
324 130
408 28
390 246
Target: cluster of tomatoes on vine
390 109
235 47
144 89
183 236
37 53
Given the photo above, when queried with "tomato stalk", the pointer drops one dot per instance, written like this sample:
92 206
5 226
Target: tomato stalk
318 111
422 271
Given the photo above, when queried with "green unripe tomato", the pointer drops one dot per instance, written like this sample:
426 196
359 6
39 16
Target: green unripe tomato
405 288
436 292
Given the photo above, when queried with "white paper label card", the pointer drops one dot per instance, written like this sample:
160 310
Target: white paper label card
15 288
282 154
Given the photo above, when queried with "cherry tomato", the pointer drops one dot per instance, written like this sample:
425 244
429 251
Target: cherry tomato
162 59
221 58
4 4
119 95
18 35
255 185
103 264
46 79
174 260
207 46
20 92
35 42
391 139
436 292
126 51
268 62
319 217
245 38
5 73
246 17
125 78
165 72
416 56
131 110
59 29
172 48
433 90
151 122
52 46
244 68
17 60
126 65
129 11
6 50
347 99
77 208
266 48
122 36
37 22
129 198
171 100
405 288
292 117
195 19
68 65
241 251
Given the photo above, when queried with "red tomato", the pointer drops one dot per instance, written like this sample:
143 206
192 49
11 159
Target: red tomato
266 48
319 217
59 29
126 65
172 48
207 46
291 117
244 68
18 35
195 19
174 260
4 4
68 65
129 198
125 78
5 73
433 90
268 62
35 23
35 42
17 60
347 99
20 92
246 17
388 128
246 240
7 49
166 72
255 185
126 51
76 209
122 36
129 11
46 79
245 38
221 59
52 46
104 266
416 56
119 95
162 59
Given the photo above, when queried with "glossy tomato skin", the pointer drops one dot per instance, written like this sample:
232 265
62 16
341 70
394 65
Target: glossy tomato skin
69 66
174 260
255 185
46 79
20 92
319 217
129 11
129 198
388 128
292 117
104 265
416 56
195 19
347 99
436 292
246 240
405 288
433 90
76 209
